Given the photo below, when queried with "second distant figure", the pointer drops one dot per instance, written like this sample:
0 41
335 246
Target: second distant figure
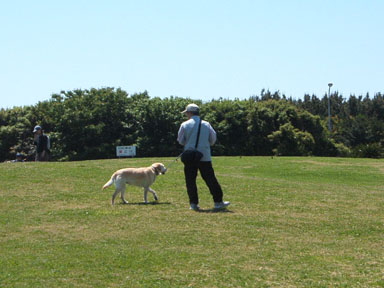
42 143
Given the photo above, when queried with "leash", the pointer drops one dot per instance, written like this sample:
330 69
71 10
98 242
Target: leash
173 162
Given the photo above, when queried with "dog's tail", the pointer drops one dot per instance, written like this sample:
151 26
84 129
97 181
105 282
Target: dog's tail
110 182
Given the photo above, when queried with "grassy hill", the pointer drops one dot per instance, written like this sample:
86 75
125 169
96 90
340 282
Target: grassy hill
293 222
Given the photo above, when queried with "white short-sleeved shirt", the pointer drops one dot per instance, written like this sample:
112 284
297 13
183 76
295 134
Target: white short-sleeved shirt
188 133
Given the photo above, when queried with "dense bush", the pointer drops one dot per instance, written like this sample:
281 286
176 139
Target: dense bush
89 124
372 150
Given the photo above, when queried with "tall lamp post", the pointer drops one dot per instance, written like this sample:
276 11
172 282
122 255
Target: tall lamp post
329 107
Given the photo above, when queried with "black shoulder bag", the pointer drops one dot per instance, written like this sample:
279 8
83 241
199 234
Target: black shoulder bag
192 156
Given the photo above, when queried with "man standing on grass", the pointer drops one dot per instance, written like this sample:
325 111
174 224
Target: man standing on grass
187 136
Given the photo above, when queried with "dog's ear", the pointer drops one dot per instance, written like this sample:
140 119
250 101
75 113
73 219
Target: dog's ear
161 168
157 168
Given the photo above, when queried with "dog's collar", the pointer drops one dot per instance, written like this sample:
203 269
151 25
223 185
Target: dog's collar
156 172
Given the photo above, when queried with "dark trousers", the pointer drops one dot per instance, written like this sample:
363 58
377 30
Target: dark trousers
207 173
42 156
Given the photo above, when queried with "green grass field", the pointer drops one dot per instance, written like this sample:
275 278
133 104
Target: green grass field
293 222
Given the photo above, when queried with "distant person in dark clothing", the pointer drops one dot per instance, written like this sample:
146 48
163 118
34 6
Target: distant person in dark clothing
42 143
19 158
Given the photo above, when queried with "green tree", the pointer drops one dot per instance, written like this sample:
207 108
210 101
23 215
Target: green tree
290 141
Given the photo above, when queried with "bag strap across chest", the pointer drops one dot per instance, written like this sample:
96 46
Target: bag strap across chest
198 135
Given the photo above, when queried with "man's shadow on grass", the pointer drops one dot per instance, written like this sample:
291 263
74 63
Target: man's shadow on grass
213 210
154 203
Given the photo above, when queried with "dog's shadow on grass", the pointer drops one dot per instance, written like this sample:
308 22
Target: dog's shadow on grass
146 204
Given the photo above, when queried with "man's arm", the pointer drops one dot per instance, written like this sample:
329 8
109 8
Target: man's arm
181 136
212 135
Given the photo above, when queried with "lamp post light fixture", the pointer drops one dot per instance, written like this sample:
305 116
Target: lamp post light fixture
329 107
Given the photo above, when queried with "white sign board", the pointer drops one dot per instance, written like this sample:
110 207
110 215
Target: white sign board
125 151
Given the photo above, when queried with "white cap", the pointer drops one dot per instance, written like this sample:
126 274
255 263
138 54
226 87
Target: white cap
37 128
191 108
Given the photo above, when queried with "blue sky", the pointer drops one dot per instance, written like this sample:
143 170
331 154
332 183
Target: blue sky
198 49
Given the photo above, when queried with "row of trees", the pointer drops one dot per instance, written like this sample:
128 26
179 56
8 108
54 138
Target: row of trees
89 124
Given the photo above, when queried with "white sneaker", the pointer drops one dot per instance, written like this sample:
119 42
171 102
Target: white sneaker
221 205
194 207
